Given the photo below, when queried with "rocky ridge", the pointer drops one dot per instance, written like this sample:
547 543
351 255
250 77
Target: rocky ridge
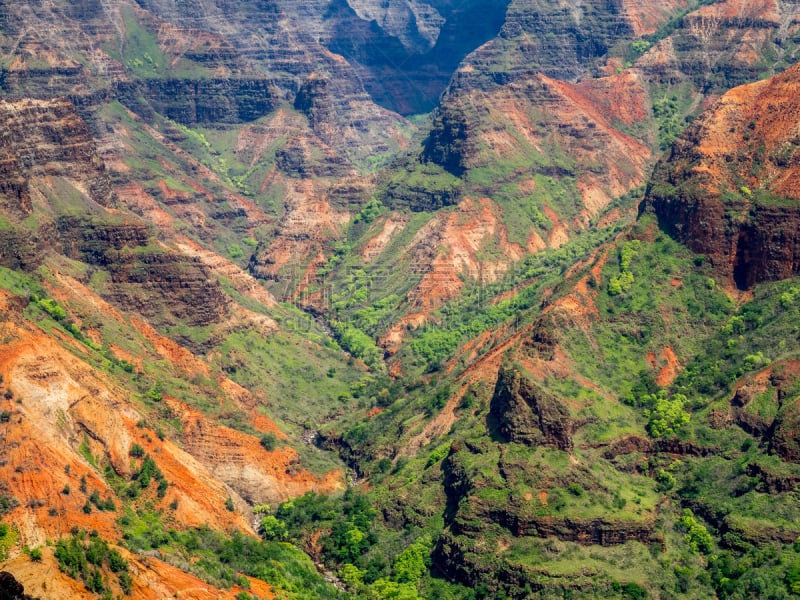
490 114
728 187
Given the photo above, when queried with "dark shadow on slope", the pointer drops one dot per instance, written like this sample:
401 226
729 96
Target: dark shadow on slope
400 79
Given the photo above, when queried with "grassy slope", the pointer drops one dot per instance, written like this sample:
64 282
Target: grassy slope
671 302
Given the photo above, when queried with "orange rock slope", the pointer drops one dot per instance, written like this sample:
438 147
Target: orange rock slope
729 187
65 421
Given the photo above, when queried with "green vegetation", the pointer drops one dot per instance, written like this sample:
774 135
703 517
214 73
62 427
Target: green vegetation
349 532
437 455
8 539
666 415
35 554
672 111
697 536
475 311
667 304
587 506
269 441
349 519
669 301
639 47
358 344
666 113
50 306
291 366
90 559
147 472
622 282
141 52
101 504
136 451
7 502
86 452
222 559
140 481
757 334
371 211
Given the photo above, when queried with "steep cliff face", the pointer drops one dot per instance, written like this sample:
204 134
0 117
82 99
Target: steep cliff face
726 44
403 51
97 241
549 37
166 288
728 188
213 63
777 424
54 177
201 102
50 165
44 141
416 25
205 155
513 116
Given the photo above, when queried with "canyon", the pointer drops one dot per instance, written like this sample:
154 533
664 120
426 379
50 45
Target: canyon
477 299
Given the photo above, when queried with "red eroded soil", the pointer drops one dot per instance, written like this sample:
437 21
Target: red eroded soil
239 460
449 249
309 224
770 108
620 97
67 420
742 10
391 226
136 198
393 338
645 16
669 370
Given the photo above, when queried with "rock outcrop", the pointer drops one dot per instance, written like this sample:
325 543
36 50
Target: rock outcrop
550 105
634 443
98 241
585 531
728 188
766 406
165 287
195 102
527 414
540 36
11 589
482 509
19 249
725 44
41 142
785 440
